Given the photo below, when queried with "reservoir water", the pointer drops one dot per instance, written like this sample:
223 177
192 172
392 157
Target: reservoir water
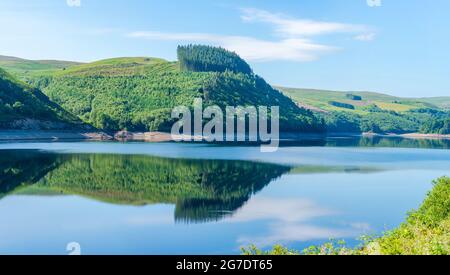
171 198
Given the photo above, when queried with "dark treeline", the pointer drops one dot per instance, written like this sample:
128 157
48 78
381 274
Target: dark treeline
354 97
342 105
197 58
19 101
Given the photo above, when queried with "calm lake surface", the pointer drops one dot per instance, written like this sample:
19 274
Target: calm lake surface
169 198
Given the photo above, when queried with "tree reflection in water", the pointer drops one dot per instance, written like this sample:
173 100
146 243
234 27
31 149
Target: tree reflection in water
202 190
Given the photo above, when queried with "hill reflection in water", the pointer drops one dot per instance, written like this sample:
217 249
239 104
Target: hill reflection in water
202 190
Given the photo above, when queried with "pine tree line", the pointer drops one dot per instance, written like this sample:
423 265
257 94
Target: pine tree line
200 58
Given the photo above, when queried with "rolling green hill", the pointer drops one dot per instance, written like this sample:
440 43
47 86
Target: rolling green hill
22 106
374 112
139 93
23 67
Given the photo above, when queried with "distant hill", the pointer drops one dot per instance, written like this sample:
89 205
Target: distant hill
24 107
321 98
374 112
139 93
23 67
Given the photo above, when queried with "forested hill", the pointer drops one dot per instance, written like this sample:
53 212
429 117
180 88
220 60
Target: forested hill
139 93
24 107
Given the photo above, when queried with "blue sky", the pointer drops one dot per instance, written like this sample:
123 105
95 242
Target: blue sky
399 47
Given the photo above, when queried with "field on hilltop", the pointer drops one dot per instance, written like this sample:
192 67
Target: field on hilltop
27 68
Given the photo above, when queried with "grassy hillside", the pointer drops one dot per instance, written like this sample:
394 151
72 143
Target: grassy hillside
139 93
374 112
441 102
23 67
22 106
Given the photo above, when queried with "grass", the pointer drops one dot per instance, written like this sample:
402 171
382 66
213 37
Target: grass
320 99
425 232
123 66
397 107
23 68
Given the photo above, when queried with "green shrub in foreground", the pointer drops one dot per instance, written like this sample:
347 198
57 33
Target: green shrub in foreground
426 232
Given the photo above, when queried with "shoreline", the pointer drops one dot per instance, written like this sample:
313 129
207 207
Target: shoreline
409 135
41 135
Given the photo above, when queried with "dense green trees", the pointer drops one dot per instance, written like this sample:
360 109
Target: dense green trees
342 105
436 126
19 101
353 97
342 122
198 58
133 102
231 89
384 122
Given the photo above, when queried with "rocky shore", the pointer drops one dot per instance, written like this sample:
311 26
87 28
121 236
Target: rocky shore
39 135
59 135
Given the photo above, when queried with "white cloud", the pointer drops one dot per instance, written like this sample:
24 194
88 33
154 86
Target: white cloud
283 210
365 37
293 27
293 49
291 221
73 3
294 42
